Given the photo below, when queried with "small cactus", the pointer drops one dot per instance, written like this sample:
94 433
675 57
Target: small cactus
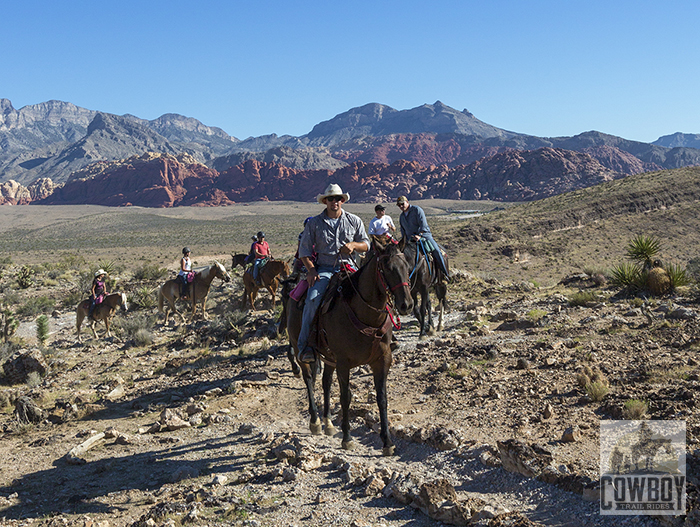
25 277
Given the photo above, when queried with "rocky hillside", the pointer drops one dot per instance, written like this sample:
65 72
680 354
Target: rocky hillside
55 139
164 180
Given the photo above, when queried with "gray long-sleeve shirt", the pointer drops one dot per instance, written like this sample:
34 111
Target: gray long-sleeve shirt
326 239
413 222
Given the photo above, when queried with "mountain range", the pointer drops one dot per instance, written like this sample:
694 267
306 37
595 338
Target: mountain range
57 151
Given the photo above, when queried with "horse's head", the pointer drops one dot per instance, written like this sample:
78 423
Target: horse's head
285 270
221 272
394 268
123 303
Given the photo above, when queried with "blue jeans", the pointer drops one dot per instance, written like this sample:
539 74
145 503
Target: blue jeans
313 299
256 267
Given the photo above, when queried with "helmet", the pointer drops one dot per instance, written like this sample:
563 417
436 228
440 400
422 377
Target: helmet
261 234
307 220
186 250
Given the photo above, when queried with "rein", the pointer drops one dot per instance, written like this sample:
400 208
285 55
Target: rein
373 331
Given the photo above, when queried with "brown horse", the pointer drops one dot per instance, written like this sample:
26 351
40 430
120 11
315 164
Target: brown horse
269 276
238 259
425 276
198 291
357 328
103 311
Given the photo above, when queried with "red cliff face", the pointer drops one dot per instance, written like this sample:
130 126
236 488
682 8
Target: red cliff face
162 180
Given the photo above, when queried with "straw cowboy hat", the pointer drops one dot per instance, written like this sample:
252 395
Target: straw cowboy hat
99 272
333 190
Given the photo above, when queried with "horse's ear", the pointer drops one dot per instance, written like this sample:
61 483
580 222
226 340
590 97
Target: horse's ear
402 243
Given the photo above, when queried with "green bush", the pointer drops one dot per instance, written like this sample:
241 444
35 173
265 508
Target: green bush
677 275
150 272
25 277
36 306
634 409
642 249
137 327
597 391
627 275
582 298
143 298
42 329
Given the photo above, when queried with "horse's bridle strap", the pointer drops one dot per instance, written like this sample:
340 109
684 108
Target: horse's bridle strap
369 331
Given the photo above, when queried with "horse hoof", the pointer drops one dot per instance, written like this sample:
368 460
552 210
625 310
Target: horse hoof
388 450
348 445
328 428
316 428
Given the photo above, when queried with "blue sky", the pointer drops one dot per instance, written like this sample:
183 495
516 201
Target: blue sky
546 68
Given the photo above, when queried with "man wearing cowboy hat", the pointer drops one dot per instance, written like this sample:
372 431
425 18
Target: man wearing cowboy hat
334 235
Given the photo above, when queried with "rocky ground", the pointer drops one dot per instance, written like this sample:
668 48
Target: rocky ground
207 425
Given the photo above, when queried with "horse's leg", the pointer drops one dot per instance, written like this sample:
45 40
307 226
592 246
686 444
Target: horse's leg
292 359
343 373
107 333
429 312
441 293
204 307
380 372
309 375
328 427
78 322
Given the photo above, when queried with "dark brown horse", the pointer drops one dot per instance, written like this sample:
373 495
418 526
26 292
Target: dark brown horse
425 276
103 311
357 330
269 276
238 259
198 291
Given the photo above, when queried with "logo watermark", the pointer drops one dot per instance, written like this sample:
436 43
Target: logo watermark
642 467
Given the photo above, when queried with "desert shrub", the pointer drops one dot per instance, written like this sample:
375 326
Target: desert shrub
582 298
8 324
33 379
642 249
143 298
71 261
71 300
109 266
597 391
634 409
693 269
42 329
677 275
150 272
5 262
536 314
627 275
25 277
36 306
137 327
8 348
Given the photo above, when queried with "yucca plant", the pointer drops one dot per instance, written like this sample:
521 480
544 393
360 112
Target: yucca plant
642 249
677 275
627 275
42 329
144 298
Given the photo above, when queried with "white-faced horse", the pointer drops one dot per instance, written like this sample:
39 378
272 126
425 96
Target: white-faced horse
198 290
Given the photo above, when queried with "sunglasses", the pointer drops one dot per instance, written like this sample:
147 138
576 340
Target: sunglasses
334 198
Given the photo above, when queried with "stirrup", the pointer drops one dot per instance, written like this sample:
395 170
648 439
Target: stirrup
307 356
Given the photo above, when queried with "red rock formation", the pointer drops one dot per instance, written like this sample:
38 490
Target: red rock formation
161 180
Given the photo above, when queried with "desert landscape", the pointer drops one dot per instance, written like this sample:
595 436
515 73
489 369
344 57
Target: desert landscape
496 418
